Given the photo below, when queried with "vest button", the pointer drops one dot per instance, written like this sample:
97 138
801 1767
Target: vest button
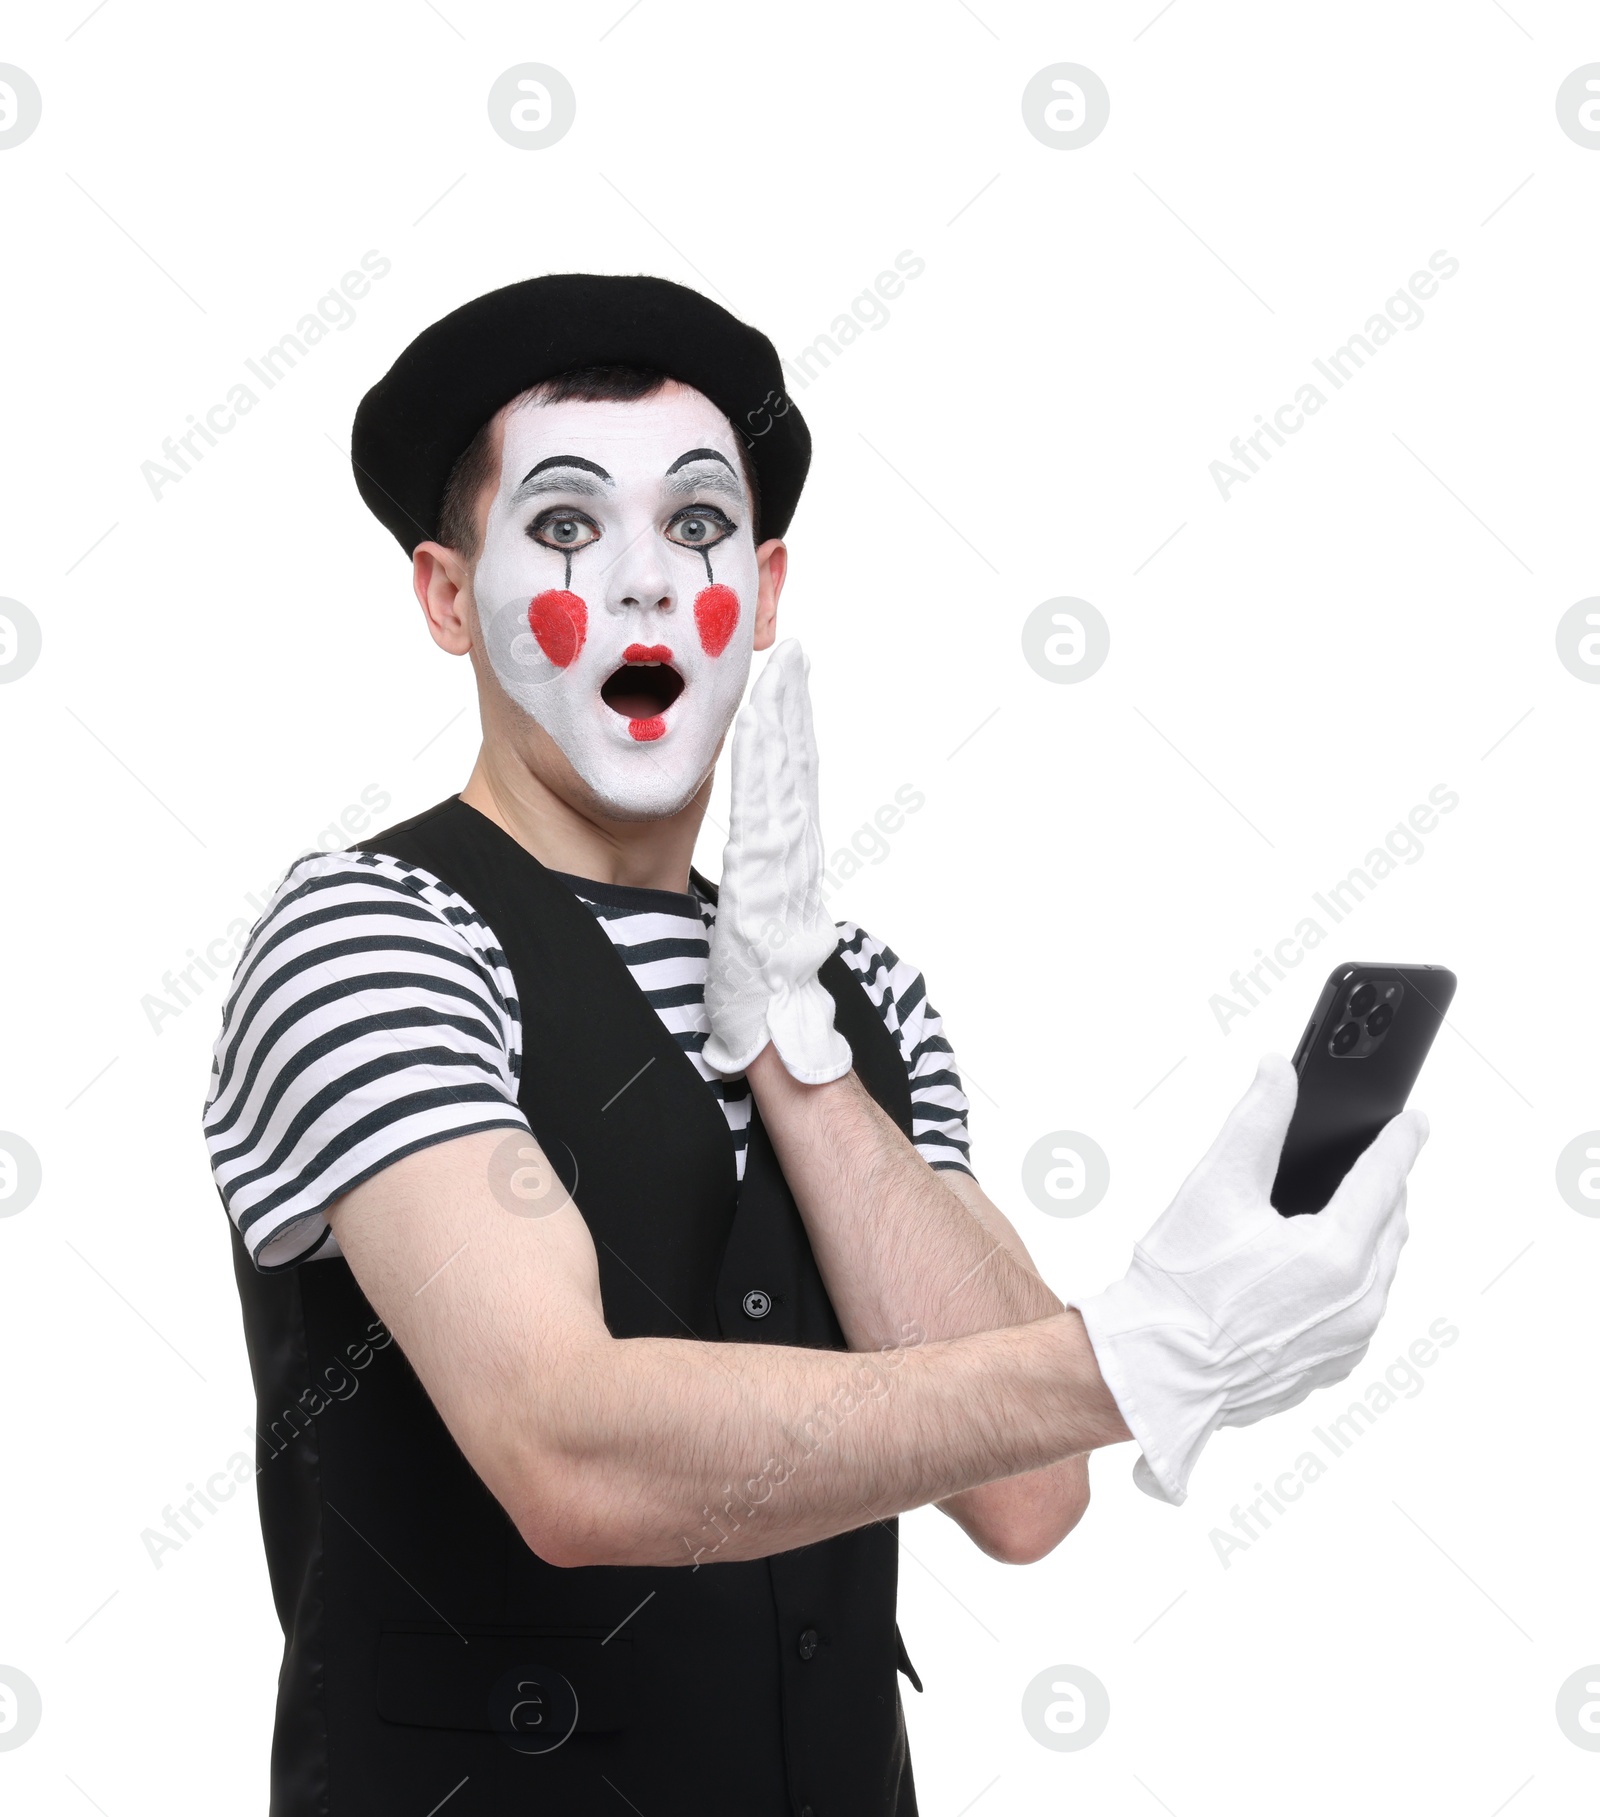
757 1304
808 1643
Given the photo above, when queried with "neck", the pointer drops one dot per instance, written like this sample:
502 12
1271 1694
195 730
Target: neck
640 854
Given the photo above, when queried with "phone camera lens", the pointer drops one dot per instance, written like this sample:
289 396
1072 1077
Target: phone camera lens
1345 1036
1380 1019
1362 999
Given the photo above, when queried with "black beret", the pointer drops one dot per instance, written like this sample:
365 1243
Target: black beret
421 416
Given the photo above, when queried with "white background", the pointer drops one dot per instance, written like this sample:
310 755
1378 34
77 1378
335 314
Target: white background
1372 615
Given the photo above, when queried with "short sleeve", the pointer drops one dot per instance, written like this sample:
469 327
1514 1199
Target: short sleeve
372 1015
938 1104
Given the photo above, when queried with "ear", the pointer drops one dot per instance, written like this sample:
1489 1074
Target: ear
443 586
772 564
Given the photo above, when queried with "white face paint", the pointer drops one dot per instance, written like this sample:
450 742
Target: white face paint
617 589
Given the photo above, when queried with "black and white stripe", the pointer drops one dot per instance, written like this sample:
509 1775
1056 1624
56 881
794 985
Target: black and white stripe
938 1104
665 941
374 1014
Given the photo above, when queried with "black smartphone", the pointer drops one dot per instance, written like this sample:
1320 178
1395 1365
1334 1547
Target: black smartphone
1357 1062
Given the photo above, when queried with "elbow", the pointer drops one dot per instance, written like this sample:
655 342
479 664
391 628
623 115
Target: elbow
561 1490
570 1528
1021 1521
559 1546
1022 1542
573 1517
564 1553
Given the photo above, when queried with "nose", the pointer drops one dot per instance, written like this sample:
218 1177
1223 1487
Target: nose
637 580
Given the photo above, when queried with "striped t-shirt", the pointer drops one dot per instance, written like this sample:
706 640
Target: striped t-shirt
373 1014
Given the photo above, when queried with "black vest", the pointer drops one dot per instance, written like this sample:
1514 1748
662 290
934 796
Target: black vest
427 1648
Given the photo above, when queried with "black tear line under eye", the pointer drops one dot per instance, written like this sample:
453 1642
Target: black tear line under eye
567 553
730 528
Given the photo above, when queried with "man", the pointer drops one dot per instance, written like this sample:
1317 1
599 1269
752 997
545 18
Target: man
627 1169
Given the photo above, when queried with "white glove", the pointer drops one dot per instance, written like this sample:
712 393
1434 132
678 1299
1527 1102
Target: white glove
1231 1312
772 931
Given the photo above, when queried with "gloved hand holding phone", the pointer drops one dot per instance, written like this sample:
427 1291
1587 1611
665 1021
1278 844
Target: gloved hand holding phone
1229 1311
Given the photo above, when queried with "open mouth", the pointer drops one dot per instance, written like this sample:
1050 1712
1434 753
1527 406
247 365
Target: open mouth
643 688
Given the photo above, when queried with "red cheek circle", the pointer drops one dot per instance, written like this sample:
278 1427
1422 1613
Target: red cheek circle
716 616
646 731
558 619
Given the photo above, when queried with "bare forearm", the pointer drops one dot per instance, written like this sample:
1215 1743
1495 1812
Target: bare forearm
684 1453
896 1240
892 1240
621 1450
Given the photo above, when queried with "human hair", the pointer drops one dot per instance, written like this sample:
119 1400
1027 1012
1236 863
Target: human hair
474 469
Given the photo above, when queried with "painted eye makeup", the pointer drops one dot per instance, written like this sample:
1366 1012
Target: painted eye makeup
699 527
564 529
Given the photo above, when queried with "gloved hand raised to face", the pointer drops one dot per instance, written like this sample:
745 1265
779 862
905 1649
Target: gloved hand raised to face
1231 1312
772 931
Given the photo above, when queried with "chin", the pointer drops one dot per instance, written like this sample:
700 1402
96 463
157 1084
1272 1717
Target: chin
643 791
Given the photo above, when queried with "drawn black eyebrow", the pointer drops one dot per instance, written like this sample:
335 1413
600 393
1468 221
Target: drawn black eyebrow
700 454
568 460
